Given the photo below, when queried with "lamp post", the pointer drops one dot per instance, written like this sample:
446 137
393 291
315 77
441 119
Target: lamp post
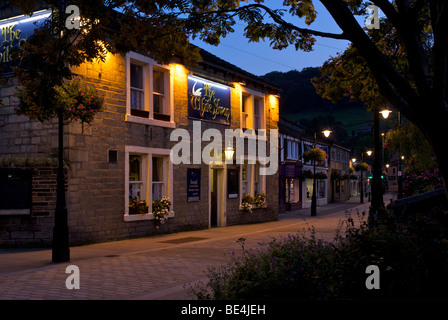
361 196
377 189
385 113
60 251
313 197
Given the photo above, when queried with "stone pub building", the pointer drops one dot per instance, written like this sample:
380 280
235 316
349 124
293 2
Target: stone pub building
125 154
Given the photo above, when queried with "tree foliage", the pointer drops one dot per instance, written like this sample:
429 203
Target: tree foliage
412 145
403 64
43 63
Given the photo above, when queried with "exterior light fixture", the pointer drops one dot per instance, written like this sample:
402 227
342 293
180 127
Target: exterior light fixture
385 113
326 133
369 153
387 165
229 151
353 160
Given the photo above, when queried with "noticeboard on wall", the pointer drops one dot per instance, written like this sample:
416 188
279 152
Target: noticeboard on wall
193 185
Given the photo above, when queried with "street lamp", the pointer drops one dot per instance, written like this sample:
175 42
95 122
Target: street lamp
385 113
313 197
326 133
369 153
376 188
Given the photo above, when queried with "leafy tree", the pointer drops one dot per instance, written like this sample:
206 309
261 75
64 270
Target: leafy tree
403 64
413 145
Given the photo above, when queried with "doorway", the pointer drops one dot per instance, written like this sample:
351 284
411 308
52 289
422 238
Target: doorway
217 200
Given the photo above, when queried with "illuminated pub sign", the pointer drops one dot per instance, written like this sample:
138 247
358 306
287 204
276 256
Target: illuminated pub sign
15 31
207 100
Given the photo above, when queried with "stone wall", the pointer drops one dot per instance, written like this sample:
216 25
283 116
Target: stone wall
33 229
95 185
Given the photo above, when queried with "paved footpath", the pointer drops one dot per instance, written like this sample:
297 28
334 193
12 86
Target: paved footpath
153 268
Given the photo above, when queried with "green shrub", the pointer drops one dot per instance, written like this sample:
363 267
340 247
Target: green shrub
412 261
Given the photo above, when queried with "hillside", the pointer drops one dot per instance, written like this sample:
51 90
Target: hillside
300 103
299 94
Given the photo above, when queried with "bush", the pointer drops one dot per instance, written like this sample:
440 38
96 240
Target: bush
412 262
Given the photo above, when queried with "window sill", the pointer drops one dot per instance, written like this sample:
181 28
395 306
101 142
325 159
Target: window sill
14 212
142 217
254 208
151 122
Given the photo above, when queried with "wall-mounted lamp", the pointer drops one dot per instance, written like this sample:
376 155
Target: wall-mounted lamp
229 151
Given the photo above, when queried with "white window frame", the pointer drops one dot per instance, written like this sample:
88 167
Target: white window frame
149 65
248 97
251 165
147 154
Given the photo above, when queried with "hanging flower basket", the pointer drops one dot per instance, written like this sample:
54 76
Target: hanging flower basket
79 101
362 166
320 176
315 154
307 174
336 175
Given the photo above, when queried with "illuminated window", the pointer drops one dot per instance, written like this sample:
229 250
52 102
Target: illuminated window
252 111
149 177
136 190
149 91
252 182
137 92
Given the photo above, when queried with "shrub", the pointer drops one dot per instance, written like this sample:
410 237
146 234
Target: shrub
412 260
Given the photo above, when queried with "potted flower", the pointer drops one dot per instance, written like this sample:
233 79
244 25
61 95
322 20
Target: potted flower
160 210
246 203
138 207
260 200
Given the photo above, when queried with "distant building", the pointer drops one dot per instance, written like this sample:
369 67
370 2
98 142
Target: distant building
296 174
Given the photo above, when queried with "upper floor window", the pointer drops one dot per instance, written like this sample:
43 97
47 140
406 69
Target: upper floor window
149 91
253 110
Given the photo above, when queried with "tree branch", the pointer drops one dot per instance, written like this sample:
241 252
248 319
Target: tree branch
279 20
391 83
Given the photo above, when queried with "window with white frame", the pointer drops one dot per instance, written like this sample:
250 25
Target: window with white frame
137 87
292 150
158 183
149 91
148 176
244 179
252 110
135 174
252 182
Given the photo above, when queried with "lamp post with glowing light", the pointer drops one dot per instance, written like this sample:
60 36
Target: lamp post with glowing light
361 169
385 113
377 188
313 197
